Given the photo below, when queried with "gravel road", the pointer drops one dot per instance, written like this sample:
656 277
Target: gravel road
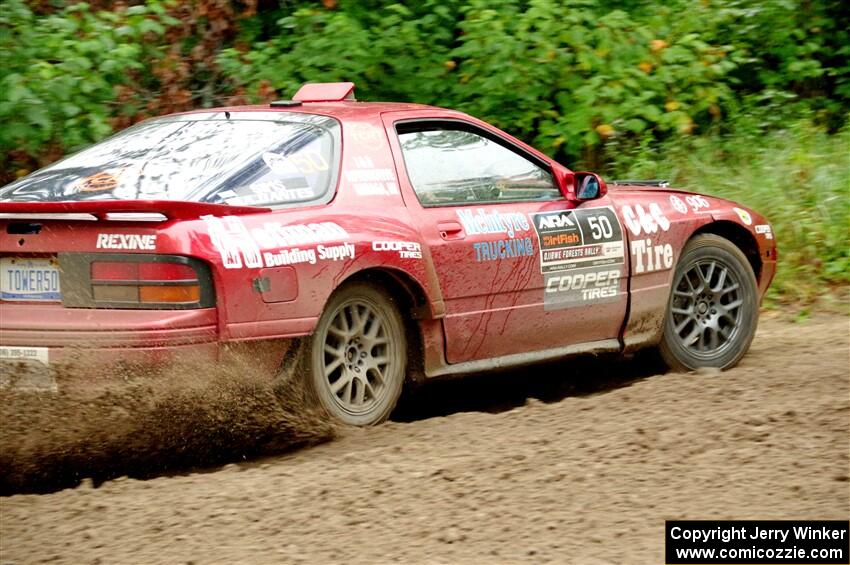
566 463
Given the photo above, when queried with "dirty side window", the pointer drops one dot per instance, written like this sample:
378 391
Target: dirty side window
456 166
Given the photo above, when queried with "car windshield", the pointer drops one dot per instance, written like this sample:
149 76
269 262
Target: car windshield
238 158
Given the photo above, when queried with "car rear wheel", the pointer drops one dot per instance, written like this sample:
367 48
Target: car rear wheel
357 356
712 313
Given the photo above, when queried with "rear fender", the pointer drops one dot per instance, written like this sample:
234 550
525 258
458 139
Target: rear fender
277 271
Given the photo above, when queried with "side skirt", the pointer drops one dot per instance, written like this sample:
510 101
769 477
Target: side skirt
520 359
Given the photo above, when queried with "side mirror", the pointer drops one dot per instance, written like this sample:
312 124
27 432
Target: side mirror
589 186
578 187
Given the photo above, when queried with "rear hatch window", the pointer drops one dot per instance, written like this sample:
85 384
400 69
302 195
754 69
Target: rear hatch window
236 158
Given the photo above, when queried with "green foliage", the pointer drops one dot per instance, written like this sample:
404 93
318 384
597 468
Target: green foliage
391 53
569 75
798 176
58 74
795 47
701 91
565 75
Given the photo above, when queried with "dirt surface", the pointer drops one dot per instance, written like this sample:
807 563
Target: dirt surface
568 463
150 426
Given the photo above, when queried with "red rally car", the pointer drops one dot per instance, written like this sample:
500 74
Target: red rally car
386 240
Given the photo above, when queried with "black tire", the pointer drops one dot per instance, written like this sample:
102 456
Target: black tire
354 363
713 308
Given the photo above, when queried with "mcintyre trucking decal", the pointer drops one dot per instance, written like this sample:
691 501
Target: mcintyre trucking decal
511 224
582 256
273 244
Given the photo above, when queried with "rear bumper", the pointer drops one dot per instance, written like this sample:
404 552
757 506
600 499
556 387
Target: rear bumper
87 345
108 337
52 325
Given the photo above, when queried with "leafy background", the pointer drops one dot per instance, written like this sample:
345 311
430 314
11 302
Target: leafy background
746 99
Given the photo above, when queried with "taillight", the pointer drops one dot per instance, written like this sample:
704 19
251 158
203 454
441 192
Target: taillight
144 282
114 271
135 281
169 293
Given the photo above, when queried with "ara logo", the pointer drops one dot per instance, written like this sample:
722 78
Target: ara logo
552 221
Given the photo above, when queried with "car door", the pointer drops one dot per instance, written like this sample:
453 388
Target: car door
485 203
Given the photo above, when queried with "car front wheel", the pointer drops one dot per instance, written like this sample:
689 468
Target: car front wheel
712 313
357 356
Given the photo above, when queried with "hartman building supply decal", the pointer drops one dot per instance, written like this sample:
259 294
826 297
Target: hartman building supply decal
273 244
573 239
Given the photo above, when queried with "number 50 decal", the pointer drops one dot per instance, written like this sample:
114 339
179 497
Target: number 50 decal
577 239
309 162
600 227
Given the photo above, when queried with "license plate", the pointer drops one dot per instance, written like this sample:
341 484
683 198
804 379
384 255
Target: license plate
32 279
26 369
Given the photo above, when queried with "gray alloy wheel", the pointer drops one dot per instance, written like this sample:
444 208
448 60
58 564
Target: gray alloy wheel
358 356
712 313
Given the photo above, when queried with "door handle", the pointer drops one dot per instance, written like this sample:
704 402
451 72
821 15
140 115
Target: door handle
450 230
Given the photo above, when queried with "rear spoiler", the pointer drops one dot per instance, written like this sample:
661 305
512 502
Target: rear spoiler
121 210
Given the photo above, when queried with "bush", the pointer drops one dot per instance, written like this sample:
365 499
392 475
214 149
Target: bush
797 176
59 76
591 82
